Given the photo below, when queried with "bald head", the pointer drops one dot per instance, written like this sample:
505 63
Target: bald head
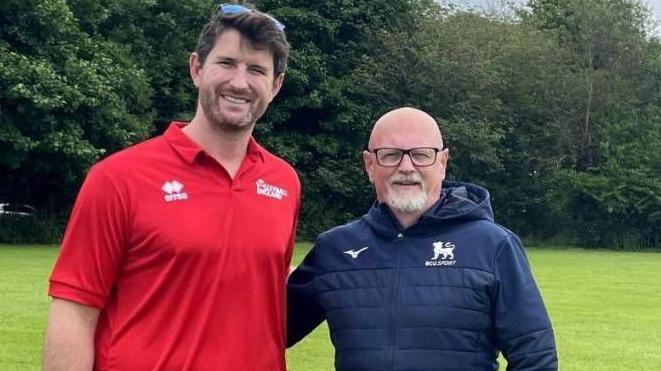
405 125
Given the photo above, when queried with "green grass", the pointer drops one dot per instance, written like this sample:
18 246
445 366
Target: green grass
604 306
24 275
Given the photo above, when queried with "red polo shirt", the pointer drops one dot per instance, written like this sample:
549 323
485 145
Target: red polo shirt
187 265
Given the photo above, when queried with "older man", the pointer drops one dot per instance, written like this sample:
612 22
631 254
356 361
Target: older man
425 280
177 251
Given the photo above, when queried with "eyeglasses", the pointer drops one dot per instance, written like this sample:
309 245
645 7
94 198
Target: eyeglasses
392 157
232 9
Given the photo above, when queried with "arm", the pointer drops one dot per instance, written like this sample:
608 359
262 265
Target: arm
303 312
523 326
69 341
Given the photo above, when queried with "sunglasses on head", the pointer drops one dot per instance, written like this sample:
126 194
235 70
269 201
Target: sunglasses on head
232 9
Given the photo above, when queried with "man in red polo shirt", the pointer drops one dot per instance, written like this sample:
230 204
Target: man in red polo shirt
177 250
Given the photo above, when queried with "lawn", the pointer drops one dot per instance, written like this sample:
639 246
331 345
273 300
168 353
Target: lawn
604 306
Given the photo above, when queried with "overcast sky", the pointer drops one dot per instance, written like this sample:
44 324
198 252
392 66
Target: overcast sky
496 4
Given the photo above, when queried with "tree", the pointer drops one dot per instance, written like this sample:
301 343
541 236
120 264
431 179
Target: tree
609 39
619 203
66 98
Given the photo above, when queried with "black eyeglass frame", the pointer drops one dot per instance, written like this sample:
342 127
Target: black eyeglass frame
403 152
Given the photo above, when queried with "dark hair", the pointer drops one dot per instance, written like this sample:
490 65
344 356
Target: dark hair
256 26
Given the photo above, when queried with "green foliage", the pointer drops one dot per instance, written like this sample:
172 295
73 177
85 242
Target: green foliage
619 203
605 187
66 98
159 35
608 39
40 228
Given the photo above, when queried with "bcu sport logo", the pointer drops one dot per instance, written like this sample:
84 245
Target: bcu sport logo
443 254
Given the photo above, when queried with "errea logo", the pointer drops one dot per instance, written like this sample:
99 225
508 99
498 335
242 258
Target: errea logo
443 254
173 191
268 190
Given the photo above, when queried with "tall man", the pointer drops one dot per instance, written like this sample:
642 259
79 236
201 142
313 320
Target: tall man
178 248
425 280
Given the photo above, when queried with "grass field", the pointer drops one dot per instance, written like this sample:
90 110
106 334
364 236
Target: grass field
605 307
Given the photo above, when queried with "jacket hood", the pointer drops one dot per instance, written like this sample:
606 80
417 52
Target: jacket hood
459 202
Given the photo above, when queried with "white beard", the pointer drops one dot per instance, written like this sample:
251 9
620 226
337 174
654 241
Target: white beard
406 201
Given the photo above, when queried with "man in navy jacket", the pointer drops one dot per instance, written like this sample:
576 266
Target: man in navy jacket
425 280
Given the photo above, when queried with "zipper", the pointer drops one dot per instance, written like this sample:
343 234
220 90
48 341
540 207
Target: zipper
394 308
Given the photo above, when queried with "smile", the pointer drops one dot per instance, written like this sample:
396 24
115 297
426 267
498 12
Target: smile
400 183
236 100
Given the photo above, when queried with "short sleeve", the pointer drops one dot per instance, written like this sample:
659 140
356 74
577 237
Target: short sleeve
93 244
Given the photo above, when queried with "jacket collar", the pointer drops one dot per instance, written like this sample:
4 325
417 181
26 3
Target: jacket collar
459 202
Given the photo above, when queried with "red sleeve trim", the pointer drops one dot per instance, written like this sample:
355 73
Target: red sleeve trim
64 291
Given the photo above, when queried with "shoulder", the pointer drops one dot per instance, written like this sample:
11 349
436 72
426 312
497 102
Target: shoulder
134 155
329 253
345 233
354 226
486 229
483 242
120 171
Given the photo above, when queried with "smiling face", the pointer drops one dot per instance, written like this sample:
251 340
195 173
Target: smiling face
236 82
407 189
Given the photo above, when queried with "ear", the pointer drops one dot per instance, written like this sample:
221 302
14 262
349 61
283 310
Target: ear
277 84
368 160
195 69
443 158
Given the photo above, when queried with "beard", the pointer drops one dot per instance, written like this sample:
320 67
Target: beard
209 101
407 201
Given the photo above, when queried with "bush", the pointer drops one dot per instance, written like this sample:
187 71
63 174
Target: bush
40 228
617 210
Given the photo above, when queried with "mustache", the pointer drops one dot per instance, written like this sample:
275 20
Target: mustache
411 178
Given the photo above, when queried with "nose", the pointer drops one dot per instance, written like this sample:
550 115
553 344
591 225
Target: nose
238 79
406 165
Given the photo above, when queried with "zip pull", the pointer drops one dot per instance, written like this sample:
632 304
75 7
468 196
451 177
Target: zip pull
400 236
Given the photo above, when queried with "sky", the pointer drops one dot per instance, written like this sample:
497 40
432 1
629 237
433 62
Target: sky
496 4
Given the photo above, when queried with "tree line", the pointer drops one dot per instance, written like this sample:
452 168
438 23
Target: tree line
555 109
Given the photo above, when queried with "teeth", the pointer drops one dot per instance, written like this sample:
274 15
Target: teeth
237 100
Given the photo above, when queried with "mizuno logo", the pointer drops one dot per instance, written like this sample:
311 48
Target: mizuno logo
265 189
354 254
173 191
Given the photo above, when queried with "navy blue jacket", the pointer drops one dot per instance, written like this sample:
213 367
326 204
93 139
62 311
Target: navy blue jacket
447 293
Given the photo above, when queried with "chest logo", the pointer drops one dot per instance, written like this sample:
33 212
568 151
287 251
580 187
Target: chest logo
173 191
268 190
443 254
354 253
